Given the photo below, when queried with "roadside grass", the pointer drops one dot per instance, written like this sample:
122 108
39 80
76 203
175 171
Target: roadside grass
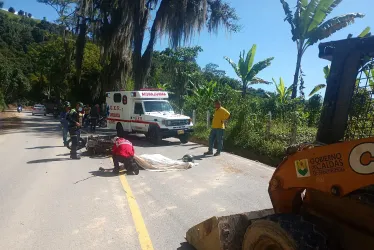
257 144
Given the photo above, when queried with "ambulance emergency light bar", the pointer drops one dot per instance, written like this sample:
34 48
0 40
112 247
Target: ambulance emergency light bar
149 94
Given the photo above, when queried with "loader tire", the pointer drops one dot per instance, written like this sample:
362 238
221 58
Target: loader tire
284 232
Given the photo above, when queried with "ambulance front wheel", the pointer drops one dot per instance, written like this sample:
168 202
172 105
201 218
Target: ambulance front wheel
154 135
183 138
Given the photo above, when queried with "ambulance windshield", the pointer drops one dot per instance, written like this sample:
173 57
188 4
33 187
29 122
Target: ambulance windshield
157 106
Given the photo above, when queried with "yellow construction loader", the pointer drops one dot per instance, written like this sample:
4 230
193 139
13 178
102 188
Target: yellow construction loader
323 192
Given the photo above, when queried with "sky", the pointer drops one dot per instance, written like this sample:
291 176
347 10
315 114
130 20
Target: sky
263 24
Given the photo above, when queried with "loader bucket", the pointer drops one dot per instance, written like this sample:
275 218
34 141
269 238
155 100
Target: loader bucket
223 233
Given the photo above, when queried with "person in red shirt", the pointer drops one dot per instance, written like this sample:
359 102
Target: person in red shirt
123 152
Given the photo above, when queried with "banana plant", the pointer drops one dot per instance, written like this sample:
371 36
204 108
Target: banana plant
246 70
326 71
365 33
207 91
283 92
308 26
369 73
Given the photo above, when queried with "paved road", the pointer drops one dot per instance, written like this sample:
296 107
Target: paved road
50 202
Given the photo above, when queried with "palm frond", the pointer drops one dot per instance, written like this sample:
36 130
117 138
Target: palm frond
281 86
316 89
251 57
289 19
331 26
221 13
243 69
277 88
288 91
326 71
324 8
309 14
256 80
233 65
301 6
365 32
258 67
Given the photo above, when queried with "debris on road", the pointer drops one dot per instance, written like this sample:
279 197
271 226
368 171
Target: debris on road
160 163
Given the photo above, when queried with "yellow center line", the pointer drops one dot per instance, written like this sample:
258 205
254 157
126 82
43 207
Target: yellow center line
141 229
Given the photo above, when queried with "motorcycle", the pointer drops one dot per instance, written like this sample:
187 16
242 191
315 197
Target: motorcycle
102 123
19 109
55 112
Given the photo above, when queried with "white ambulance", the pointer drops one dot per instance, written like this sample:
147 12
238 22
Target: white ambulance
147 112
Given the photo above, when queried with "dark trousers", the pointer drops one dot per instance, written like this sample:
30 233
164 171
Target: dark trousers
216 134
117 159
74 141
93 124
84 120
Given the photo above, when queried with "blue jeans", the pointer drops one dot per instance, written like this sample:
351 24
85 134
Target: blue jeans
216 134
65 131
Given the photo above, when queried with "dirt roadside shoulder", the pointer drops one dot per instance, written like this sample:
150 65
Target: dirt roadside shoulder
9 120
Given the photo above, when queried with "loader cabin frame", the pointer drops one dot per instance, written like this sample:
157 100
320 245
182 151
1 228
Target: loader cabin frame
333 180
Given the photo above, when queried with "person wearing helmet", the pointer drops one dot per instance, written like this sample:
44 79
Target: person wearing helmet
94 116
123 151
187 158
74 118
64 122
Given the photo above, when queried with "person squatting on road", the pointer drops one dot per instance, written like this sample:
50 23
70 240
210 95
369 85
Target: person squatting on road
64 122
74 125
123 151
221 115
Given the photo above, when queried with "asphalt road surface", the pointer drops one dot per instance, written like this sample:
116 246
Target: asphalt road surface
48 201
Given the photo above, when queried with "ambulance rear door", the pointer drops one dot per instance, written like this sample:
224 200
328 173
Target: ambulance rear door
119 110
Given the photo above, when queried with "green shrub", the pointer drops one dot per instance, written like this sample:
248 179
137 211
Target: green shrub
2 101
248 126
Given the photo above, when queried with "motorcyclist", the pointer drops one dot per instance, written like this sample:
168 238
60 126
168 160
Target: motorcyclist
64 122
87 110
123 151
19 107
74 119
94 116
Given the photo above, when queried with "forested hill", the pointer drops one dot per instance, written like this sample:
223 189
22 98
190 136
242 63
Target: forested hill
17 35
35 65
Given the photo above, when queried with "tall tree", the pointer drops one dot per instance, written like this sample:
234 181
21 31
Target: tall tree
21 13
1 4
12 10
247 71
308 26
121 26
180 20
65 11
213 69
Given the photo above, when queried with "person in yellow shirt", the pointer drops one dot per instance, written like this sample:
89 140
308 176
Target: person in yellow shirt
221 115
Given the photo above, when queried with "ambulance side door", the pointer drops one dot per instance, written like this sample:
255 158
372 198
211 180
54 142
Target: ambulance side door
137 122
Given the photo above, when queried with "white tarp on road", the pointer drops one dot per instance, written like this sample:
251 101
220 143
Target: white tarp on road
160 163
